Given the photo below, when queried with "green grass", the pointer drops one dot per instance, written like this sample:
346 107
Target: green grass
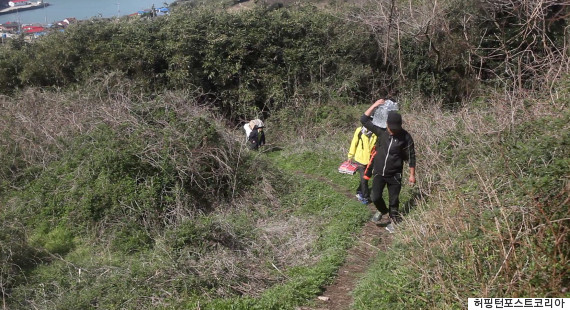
90 256
336 219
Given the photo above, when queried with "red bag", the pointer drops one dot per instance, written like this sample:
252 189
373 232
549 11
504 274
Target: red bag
347 167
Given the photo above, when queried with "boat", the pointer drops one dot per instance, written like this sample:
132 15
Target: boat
23 7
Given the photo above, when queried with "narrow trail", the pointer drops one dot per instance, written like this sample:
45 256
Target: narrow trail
372 239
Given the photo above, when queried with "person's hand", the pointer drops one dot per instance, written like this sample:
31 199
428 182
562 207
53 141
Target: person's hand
378 102
412 179
373 107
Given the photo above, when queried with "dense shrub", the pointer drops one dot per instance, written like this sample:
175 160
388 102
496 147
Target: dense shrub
244 62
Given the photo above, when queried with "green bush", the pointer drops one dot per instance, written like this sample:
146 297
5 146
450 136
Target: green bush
16 254
245 62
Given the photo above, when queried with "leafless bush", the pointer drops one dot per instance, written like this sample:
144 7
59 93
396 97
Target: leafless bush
392 20
38 124
526 46
522 45
467 197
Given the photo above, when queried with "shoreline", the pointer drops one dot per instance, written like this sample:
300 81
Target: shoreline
27 16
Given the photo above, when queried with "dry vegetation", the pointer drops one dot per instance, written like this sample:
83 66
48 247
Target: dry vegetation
206 227
493 218
112 195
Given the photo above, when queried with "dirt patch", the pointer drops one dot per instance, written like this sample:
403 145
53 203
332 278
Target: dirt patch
372 239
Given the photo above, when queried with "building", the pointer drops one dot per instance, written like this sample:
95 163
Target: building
10 27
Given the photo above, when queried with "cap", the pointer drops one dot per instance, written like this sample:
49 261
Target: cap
394 121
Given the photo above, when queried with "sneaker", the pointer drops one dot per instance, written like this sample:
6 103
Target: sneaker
359 196
364 201
377 217
390 228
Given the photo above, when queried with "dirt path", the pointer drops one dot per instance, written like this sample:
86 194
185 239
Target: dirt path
372 238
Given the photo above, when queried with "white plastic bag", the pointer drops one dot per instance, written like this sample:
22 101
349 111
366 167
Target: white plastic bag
381 114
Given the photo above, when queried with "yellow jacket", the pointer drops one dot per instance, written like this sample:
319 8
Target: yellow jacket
360 148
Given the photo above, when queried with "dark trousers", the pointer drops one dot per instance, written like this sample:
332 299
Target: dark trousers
363 186
394 184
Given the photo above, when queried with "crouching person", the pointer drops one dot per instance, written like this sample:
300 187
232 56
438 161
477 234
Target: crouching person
254 134
256 137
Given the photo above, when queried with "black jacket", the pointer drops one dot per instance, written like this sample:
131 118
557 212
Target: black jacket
256 138
391 151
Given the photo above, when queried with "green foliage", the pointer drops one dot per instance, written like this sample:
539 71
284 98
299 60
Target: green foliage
63 59
338 220
433 77
153 204
59 240
131 237
259 59
243 62
10 65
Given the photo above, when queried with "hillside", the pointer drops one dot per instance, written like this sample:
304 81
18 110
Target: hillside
125 182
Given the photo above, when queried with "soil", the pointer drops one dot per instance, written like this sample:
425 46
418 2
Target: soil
372 239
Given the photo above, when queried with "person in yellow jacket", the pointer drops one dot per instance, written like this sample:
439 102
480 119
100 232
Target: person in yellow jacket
359 153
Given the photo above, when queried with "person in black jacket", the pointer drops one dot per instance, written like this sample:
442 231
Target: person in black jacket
393 146
256 138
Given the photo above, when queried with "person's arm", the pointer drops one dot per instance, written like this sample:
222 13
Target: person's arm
411 155
366 119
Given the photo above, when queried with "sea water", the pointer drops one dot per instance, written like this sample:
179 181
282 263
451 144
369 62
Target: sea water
58 10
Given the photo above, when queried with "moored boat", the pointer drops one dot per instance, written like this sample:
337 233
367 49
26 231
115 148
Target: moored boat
23 5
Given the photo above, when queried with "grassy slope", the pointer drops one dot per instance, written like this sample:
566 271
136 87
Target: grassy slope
493 222
337 217
108 221
481 225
